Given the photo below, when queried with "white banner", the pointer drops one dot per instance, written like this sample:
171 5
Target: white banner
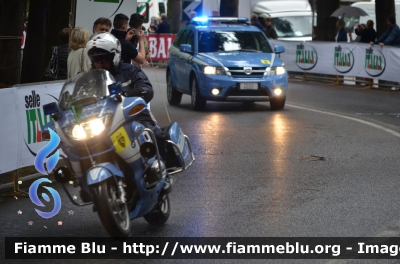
350 59
22 119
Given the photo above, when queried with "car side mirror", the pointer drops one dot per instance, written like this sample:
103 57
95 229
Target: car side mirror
186 48
279 49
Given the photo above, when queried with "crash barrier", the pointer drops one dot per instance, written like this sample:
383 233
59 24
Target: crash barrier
22 118
344 59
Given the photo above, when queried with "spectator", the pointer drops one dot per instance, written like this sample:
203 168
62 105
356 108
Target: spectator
254 22
102 24
359 29
129 52
341 35
391 36
154 23
78 60
164 26
152 28
368 34
62 54
269 29
136 24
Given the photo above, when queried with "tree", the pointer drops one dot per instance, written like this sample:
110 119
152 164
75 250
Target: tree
12 15
34 52
175 14
383 9
229 8
326 25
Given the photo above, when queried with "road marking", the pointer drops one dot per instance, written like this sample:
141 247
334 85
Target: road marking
388 130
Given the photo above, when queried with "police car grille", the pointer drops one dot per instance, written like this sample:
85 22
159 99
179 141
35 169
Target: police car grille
240 72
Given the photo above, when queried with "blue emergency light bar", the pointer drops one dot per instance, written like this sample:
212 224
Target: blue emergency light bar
230 20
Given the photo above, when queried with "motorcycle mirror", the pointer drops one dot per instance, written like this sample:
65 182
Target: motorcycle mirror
50 108
115 88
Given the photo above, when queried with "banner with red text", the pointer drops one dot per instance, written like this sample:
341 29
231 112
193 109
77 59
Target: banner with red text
159 45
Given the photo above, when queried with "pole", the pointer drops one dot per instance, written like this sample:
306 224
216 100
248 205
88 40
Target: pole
313 13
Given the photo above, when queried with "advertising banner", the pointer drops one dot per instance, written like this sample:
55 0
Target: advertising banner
21 134
350 59
159 45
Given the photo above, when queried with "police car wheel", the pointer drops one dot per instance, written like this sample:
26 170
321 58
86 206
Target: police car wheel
174 97
198 103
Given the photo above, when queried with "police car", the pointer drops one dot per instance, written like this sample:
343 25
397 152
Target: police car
225 59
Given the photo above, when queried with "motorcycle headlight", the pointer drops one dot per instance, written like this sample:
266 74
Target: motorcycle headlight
214 70
88 129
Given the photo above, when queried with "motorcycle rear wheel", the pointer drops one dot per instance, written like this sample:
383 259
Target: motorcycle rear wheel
112 212
159 215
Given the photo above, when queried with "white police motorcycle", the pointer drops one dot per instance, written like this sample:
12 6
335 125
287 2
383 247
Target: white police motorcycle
114 158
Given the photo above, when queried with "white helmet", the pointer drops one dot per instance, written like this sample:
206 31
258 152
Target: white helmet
104 43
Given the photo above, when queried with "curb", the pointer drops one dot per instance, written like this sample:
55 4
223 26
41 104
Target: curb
29 177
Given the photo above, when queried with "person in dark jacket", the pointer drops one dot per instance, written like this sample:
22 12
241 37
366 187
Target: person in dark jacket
62 54
341 35
368 33
104 51
391 36
136 24
269 29
254 22
129 52
164 26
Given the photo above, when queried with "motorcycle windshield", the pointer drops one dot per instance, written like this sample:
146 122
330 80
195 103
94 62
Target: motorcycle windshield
85 88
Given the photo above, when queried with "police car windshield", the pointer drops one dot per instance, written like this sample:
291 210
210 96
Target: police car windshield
225 41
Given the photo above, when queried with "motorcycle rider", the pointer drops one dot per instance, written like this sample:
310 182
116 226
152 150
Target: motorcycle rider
104 51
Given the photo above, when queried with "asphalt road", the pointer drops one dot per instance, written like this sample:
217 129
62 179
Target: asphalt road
325 166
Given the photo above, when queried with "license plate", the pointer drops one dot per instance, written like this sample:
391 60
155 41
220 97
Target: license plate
248 86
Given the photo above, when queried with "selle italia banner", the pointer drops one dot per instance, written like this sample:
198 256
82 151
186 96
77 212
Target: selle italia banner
351 59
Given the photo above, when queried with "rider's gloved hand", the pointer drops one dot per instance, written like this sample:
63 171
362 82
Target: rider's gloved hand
134 92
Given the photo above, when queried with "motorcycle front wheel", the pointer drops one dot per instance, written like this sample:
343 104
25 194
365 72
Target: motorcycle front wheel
159 215
112 211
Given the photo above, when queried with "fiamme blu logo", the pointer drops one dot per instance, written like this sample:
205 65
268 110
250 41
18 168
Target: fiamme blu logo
375 62
45 162
343 60
306 56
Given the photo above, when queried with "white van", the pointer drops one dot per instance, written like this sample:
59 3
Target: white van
292 19
86 12
151 9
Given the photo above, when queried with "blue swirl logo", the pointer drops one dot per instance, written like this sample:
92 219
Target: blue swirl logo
47 150
35 199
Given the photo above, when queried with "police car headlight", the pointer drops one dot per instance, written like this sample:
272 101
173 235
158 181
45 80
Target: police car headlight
210 70
88 129
280 70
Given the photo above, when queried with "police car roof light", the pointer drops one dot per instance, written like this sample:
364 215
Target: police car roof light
200 19
232 20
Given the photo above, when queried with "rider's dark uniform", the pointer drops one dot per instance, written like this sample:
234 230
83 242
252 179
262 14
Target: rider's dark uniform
134 82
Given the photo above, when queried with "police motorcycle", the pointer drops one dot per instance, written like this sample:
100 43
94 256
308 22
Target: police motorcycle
113 158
